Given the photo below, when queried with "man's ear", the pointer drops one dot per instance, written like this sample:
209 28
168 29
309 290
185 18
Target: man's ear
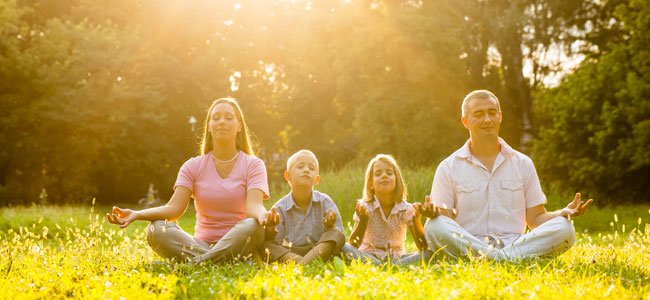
464 121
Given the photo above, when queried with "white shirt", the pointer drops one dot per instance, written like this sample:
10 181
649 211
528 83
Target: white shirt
488 203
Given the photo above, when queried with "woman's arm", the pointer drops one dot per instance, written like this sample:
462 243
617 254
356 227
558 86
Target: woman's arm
171 211
254 207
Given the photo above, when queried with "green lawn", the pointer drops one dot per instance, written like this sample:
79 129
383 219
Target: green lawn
72 252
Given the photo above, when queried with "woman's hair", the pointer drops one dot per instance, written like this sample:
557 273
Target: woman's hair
400 192
243 139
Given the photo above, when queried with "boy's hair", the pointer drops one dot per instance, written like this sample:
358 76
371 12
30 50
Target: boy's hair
292 160
400 187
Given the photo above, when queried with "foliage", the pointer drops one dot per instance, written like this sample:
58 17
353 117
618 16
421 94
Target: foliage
595 127
95 96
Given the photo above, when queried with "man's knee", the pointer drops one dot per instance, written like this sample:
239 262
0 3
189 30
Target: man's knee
564 230
438 228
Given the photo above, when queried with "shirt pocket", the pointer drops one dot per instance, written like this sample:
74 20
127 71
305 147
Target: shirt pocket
512 193
467 197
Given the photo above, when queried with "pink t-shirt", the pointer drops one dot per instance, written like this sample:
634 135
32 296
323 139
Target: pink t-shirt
221 202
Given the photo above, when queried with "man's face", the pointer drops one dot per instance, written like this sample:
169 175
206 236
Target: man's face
483 118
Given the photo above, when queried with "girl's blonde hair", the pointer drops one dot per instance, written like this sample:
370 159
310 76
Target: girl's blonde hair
400 193
243 138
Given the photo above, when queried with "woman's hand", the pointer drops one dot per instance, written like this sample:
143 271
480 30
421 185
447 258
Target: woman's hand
122 217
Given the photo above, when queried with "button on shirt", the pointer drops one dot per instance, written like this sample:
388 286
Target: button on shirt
386 236
488 204
304 226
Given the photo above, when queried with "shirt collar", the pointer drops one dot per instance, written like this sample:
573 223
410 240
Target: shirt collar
465 153
315 197
399 206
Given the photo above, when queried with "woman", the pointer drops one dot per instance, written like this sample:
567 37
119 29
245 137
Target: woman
228 184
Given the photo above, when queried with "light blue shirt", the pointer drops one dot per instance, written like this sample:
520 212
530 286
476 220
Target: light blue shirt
299 226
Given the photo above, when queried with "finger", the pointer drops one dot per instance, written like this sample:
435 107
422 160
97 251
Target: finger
577 200
427 199
110 218
583 208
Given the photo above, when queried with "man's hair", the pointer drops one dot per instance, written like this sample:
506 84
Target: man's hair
292 160
477 94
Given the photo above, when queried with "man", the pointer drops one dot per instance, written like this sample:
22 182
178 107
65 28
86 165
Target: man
485 194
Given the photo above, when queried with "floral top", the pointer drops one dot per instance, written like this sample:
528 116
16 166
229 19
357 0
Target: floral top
386 236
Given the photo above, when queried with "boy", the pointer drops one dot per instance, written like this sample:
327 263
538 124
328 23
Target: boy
305 224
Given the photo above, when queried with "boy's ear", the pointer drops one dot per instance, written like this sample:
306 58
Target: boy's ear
287 176
317 179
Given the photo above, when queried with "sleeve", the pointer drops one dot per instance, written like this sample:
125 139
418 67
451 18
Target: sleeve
279 237
257 178
532 187
407 216
187 175
330 205
442 191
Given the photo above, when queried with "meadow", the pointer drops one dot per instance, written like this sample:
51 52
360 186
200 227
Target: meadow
72 252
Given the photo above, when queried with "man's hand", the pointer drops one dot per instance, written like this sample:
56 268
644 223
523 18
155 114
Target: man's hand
329 219
121 217
361 211
428 209
576 207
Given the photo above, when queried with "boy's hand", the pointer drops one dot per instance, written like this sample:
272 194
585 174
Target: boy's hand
272 219
361 211
329 219
428 209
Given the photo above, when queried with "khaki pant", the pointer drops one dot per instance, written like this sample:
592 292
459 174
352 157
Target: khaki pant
171 242
553 237
271 251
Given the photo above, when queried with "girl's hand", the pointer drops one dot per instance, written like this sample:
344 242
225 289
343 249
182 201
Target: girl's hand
417 206
361 211
122 217
329 219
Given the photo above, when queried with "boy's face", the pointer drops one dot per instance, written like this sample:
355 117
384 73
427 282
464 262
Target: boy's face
303 172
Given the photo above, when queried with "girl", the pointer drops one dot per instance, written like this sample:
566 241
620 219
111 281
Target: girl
383 215
228 184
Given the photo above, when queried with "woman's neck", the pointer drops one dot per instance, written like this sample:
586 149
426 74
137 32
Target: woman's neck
224 151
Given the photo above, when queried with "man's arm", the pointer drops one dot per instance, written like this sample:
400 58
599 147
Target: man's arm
537 215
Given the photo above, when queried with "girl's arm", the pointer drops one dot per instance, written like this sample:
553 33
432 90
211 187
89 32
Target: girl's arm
359 230
416 229
171 211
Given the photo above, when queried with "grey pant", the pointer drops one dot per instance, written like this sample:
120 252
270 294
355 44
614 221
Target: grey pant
171 242
351 252
553 237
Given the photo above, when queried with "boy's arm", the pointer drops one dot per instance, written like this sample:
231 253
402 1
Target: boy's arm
331 205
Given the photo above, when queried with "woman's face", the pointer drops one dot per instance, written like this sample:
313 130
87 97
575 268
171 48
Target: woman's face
383 178
224 124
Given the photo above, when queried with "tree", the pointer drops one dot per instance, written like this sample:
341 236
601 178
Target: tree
595 127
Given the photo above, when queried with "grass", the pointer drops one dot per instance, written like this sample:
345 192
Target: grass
71 252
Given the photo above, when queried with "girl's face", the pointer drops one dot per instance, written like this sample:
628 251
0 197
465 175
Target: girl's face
224 124
383 178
